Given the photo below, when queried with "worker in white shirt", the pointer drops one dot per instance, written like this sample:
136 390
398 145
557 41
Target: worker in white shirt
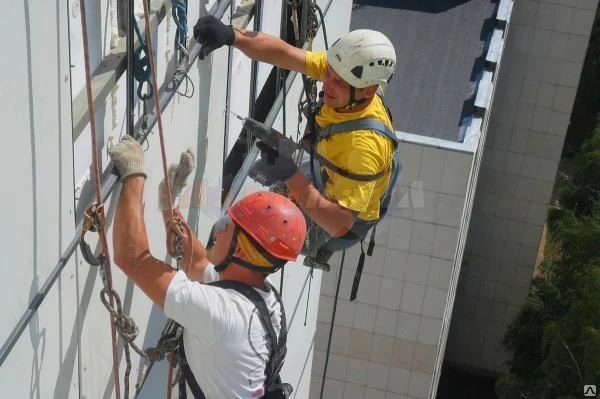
227 345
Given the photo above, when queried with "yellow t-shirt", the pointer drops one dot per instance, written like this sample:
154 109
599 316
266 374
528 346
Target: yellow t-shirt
362 152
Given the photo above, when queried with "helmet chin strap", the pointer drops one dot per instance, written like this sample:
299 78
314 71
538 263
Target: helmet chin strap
230 258
353 103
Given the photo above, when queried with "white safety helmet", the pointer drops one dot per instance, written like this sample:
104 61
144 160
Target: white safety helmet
363 58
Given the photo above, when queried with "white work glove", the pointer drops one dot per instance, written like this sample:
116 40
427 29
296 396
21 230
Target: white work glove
128 157
178 174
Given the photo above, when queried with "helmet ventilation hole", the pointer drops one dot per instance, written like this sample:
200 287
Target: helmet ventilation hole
357 71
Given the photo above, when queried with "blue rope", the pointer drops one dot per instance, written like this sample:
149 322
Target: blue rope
179 12
141 66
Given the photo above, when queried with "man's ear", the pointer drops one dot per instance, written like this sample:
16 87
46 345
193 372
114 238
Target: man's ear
373 89
238 251
368 92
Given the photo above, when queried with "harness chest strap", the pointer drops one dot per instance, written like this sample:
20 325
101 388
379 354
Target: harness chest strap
360 227
375 125
318 161
357 124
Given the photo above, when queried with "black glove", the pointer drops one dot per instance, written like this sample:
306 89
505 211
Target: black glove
274 166
211 33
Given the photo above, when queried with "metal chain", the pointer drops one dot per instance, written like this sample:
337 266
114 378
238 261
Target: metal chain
179 246
181 231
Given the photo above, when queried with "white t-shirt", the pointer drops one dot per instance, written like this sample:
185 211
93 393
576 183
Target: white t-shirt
225 342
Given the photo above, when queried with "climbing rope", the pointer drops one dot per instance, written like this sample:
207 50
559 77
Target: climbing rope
178 227
121 323
156 103
307 104
179 13
96 212
282 189
141 66
314 24
167 344
335 301
294 5
311 274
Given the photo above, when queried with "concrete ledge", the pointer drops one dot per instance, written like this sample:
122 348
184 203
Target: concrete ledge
504 11
484 92
434 142
496 46
473 133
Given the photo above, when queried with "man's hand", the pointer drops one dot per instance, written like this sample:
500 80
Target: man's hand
271 164
212 34
128 157
178 174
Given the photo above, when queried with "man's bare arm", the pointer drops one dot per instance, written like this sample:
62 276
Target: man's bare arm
130 243
270 49
333 218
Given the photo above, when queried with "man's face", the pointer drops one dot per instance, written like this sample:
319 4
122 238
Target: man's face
337 90
220 240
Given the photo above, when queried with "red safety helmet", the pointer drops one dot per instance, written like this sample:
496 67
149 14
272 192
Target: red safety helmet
273 221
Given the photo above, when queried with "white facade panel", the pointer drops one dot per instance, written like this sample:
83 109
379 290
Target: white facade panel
37 202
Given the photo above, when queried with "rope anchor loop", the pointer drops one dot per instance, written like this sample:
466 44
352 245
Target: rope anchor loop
94 220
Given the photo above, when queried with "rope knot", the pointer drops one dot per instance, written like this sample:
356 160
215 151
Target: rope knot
126 327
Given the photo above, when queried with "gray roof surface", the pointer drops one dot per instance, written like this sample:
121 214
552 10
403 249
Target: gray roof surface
440 50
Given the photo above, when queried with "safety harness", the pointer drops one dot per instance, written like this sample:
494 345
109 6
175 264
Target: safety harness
319 176
274 388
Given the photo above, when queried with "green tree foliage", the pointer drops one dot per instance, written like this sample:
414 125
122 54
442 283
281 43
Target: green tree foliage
556 336
587 102
582 192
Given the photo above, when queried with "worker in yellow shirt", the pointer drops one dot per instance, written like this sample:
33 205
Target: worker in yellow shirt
346 188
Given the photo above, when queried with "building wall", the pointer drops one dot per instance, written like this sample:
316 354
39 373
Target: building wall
386 343
36 207
543 58
65 351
